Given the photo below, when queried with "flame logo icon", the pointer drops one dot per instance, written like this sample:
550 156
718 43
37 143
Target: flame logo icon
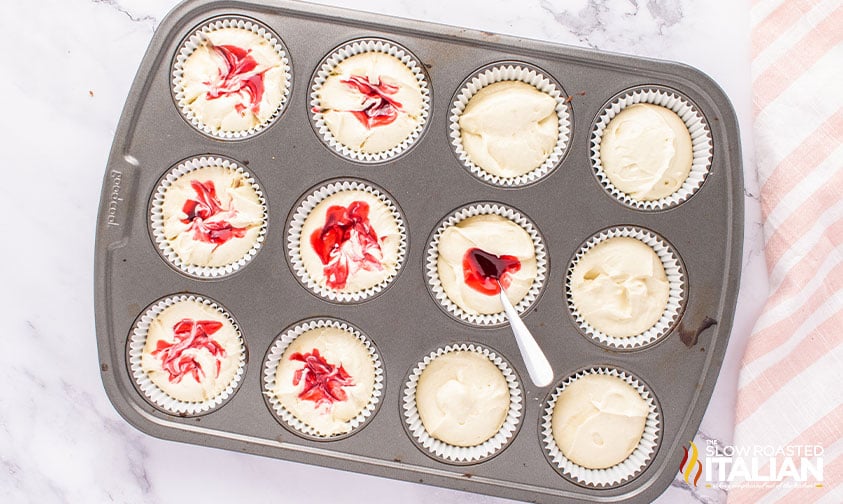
691 464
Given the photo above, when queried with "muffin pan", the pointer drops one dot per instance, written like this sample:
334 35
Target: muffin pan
428 182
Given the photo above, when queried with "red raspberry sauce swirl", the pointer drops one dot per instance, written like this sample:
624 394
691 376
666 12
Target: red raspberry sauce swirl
481 269
323 382
238 75
379 108
347 243
178 358
207 218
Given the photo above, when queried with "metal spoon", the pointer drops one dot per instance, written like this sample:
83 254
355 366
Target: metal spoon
538 367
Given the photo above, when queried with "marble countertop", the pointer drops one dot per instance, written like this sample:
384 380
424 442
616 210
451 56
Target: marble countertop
60 438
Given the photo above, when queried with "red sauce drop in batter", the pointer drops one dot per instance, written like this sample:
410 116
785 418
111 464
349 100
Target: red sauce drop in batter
189 335
481 270
323 382
379 109
347 243
206 216
240 75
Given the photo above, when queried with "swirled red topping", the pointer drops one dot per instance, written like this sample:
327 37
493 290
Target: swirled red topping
379 108
323 382
240 74
481 270
207 218
347 243
178 359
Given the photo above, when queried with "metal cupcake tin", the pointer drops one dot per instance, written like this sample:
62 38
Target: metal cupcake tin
429 183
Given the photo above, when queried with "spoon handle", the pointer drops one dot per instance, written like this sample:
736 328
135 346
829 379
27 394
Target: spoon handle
537 364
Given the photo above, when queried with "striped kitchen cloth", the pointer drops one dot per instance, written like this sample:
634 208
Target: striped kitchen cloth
791 380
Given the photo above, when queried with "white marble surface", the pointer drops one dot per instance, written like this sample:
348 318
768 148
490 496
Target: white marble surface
68 67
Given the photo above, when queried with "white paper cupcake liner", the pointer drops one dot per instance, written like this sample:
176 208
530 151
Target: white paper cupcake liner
434 283
701 143
351 49
195 41
622 472
674 270
294 240
463 454
156 396
276 352
156 218
514 71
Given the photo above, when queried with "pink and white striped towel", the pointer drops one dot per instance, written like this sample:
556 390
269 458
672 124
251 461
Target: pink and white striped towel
791 380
